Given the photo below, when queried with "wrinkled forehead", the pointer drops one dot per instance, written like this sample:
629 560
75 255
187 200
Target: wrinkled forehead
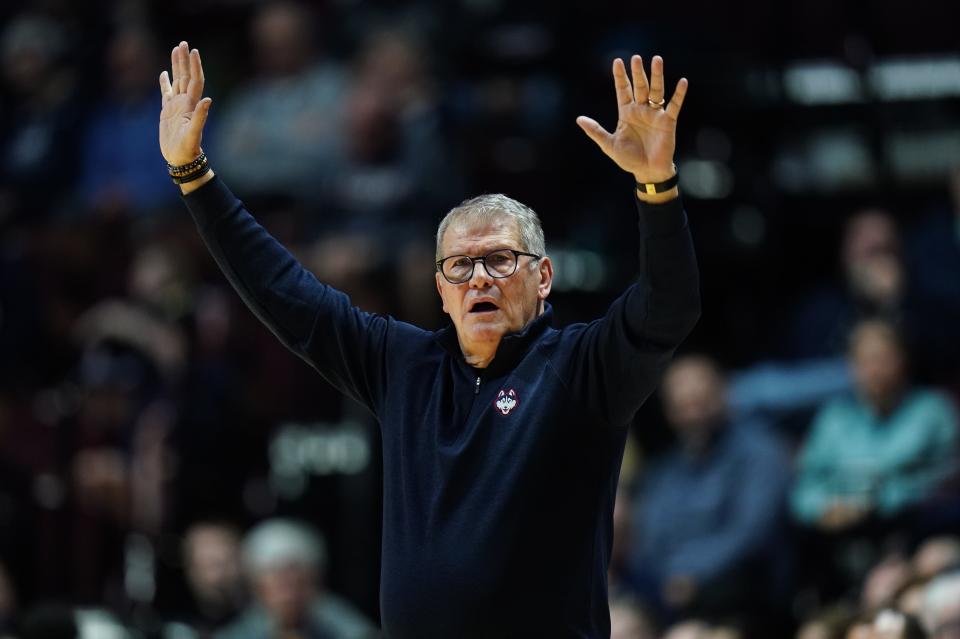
477 233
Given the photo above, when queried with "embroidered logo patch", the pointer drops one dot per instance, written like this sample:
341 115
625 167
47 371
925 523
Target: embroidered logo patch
506 401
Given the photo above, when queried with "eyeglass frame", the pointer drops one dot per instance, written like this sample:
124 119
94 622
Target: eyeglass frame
483 260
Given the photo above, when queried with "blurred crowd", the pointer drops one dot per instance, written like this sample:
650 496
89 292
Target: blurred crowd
168 471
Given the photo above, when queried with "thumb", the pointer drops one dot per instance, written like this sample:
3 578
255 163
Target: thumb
595 132
199 117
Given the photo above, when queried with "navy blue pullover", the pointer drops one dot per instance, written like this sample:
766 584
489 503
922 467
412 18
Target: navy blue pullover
498 483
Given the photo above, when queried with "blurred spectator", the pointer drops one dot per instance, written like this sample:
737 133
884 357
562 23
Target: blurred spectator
941 607
884 582
285 563
112 454
891 624
122 173
860 629
879 450
392 180
395 175
830 623
629 620
688 630
160 280
699 630
709 530
813 368
99 623
881 281
40 124
910 598
214 572
279 132
812 343
936 555
874 284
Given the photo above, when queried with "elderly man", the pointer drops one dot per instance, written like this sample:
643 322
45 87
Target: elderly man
709 531
285 560
502 436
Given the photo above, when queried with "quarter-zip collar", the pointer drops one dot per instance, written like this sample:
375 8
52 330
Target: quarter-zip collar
512 347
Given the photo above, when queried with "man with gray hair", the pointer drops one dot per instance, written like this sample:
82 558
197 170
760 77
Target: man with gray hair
502 436
941 606
284 561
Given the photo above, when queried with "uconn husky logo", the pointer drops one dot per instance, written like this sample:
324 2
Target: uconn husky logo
506 401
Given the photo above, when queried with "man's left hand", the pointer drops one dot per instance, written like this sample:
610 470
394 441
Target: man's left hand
645 138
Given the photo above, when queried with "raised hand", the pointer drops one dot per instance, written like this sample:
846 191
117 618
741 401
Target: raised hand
645 138
184 112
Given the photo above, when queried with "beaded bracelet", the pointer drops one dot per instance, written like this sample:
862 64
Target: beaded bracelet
191 171
189 167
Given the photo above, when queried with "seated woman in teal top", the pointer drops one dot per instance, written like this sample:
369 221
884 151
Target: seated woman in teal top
879 450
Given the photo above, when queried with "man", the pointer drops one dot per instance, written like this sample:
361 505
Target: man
502 436
285 562
941 607
213 568
709 531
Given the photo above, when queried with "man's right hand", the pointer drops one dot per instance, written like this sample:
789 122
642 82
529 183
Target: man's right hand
184 112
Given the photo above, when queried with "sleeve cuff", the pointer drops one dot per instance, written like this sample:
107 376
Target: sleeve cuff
208 203
663 219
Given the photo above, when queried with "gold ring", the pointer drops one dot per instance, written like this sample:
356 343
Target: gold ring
656 104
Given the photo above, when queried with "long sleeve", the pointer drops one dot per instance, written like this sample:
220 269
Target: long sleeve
883 463
754 517
704 518
814 487
318 323
620 357
922 455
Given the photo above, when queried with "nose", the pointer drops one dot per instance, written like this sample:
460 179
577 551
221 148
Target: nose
484 279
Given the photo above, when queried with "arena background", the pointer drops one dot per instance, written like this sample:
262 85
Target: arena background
137 395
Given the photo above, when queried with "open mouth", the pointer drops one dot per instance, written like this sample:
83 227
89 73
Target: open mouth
484 307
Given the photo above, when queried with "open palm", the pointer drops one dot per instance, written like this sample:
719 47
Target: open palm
645 138
184 112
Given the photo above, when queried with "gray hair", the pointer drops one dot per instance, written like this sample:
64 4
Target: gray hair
279 542
490 206
941 596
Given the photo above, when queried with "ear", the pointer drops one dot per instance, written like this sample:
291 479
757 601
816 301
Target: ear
443 302
546 278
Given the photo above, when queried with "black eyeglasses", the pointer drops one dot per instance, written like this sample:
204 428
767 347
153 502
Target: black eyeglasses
458 269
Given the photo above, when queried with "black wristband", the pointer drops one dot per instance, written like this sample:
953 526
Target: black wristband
658 187
190 177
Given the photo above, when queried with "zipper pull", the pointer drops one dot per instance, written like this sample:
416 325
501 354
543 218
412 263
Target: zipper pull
476 387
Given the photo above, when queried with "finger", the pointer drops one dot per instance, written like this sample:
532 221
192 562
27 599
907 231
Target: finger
195 85
199 118
183 67
673 108
174 71
656 79
166 91
641 88
595 132
622 83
